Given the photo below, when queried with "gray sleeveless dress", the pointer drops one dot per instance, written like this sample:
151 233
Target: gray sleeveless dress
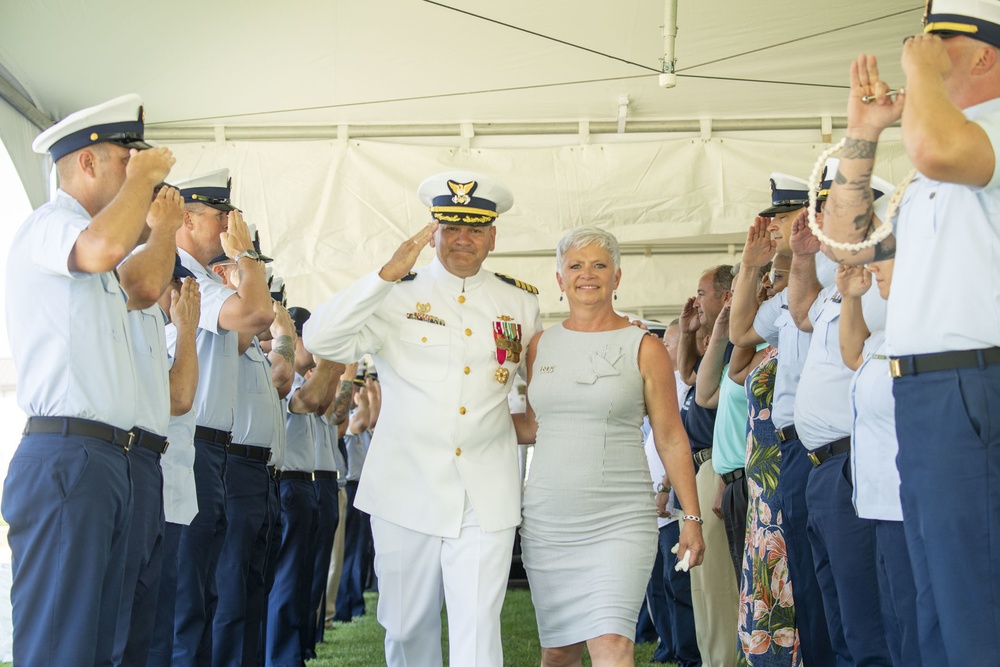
588 532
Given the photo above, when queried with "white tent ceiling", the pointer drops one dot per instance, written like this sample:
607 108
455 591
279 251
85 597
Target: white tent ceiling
290 96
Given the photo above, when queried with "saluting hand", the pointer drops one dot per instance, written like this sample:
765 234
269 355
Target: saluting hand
152 164
167 211
874 115
803 241
853 281
925 53
185 305
689 317
760 247
237 237
406 255
282 324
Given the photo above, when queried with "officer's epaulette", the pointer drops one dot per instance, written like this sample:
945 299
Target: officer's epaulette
517 283
412 275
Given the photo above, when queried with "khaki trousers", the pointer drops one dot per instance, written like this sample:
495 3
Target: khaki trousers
714 594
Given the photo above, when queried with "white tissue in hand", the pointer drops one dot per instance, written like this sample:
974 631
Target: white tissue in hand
684 563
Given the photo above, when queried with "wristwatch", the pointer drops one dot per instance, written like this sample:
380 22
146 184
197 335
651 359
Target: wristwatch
662 488
249 252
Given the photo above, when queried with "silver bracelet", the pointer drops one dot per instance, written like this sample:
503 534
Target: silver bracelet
692 517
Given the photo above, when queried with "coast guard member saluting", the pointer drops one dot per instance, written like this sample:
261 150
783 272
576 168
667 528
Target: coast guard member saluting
68 497
943 342
441 480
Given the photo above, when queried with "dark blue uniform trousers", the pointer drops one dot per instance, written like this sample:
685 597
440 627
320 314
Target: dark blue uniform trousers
948 426
669 592
242 558
288 628
898 594
161 649
810 618
68 500
198 557
326 526
843 548
273 528
357 534
141 584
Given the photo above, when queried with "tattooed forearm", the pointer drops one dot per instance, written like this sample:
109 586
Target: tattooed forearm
864 220
285 346
342 402
858 149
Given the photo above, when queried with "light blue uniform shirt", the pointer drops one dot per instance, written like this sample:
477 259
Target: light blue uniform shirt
325 459
280 437
822 403
946 280
300 447
356 445
152 368
874 444
69 332
254 414
180 494
218 352
775 325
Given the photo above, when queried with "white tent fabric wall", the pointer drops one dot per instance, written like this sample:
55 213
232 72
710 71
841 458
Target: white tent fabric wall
17 133
331 211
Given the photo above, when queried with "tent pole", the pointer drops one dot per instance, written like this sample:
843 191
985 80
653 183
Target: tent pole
22 104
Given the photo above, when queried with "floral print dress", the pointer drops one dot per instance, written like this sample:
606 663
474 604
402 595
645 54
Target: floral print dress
767 616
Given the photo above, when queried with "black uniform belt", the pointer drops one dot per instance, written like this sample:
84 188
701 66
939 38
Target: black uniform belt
942 361
250 452
787 433
293 474
74 426
731 477
326 474
702 455
819 456
213 435
150 441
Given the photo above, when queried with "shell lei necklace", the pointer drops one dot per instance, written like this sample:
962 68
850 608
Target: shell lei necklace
879 234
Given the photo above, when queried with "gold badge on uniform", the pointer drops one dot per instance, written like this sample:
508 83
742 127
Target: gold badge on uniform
507 336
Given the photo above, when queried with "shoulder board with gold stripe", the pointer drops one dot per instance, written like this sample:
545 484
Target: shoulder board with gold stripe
517 283
412 275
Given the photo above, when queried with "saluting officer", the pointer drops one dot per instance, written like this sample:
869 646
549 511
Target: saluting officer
441 478
942 336
68 496
213 226
151 277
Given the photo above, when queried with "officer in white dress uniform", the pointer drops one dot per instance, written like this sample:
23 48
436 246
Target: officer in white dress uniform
68 496
441 478
942 336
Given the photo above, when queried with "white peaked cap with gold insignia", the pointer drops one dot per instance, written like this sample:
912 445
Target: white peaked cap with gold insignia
465 198
978 19
118 121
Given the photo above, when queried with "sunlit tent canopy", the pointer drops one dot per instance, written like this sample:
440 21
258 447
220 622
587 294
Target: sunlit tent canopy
329 114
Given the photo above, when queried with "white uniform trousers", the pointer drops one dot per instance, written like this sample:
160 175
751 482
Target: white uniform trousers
714 594
417 572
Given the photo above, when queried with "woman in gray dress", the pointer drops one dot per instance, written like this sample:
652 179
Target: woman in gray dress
589 532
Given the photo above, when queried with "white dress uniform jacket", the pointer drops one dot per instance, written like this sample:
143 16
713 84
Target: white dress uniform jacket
445 429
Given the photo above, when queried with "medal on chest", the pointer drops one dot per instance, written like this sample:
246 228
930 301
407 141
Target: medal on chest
507 336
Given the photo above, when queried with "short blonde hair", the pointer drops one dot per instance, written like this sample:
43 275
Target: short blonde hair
583 236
